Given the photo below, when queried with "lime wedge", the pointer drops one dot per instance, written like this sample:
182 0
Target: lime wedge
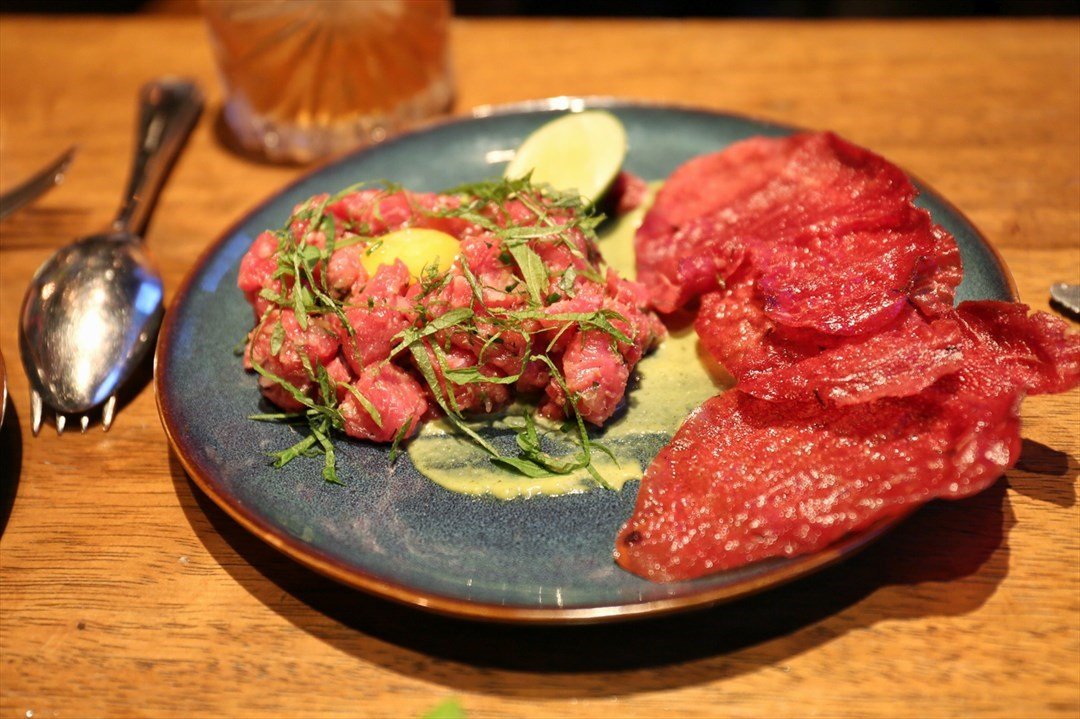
419 248
581 151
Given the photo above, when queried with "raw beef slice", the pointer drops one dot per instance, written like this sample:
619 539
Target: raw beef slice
747 479
827 203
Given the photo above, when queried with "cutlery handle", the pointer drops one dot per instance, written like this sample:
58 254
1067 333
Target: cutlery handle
168 110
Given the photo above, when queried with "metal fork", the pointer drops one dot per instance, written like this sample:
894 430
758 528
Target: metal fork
36 185
1066 297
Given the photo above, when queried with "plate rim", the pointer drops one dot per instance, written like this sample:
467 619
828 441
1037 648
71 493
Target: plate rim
350 575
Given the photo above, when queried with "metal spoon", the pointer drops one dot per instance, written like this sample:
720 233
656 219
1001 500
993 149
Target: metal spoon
92 310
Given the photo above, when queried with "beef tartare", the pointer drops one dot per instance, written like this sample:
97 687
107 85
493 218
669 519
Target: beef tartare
378 308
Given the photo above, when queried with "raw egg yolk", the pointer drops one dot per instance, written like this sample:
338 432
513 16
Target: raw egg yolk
417 247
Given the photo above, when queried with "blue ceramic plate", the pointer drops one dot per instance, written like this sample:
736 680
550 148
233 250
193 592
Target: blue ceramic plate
389 530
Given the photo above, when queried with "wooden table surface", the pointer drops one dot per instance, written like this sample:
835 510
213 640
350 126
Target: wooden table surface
125 592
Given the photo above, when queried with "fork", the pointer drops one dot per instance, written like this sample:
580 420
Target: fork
37 184
1066 297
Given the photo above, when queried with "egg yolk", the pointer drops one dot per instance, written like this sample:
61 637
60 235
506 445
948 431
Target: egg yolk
418 248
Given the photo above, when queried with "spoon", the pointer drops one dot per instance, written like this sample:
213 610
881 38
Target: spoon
92 310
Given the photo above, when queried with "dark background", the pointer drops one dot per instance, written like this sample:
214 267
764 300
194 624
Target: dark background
637 8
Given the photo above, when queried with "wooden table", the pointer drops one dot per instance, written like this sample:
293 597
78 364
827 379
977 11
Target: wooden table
124 591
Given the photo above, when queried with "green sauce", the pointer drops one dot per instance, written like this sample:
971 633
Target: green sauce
666 386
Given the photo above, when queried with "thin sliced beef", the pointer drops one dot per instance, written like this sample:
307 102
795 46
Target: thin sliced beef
911 355
709 183
937 276
829 226
861 393
699 188
846 283
734 328
1036 351
746 479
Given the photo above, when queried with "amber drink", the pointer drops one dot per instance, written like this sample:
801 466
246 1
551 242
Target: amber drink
309 78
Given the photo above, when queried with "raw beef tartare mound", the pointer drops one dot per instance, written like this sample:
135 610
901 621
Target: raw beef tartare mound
377 309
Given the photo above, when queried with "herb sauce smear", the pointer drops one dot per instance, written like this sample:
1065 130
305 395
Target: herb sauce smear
667 385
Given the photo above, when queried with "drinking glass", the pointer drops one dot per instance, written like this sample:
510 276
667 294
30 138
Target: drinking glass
309 78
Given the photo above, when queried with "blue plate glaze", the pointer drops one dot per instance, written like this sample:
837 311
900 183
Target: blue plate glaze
389 530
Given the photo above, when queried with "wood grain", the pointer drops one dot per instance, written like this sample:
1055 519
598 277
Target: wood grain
124 592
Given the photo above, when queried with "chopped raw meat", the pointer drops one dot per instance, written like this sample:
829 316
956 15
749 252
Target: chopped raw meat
626 193
479 397
375 212
282 348
534 291
366 339
596 373
257 272
398 400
